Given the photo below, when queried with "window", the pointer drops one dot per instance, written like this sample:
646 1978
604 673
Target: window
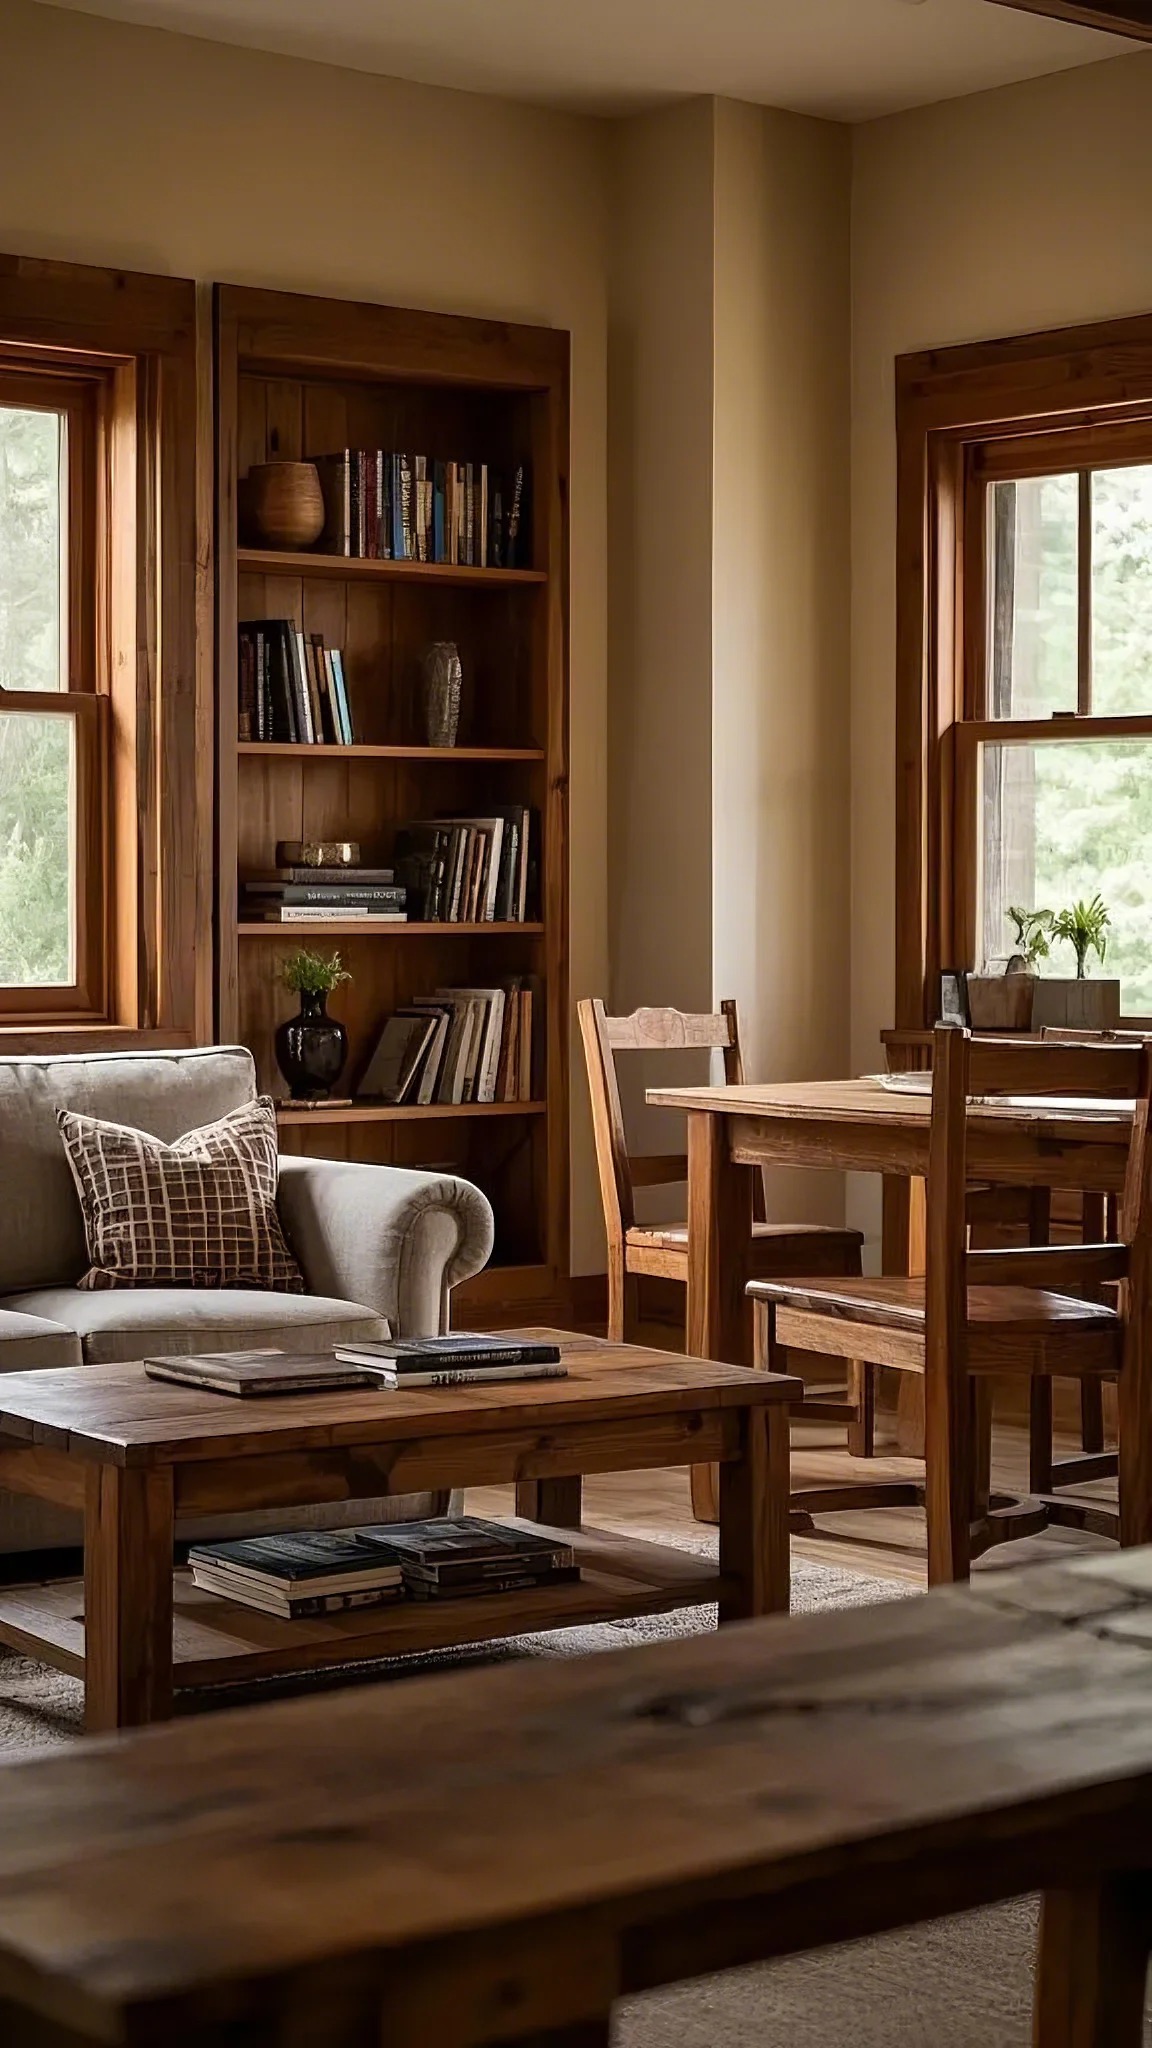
105 711
1058 752
52 857
1024 650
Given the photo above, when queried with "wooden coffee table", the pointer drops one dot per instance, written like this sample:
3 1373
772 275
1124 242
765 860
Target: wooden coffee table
133 1454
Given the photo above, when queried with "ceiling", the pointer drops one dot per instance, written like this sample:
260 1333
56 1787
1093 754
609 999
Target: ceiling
847 60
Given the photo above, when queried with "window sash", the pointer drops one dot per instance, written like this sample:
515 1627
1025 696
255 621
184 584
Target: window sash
86 996
81 401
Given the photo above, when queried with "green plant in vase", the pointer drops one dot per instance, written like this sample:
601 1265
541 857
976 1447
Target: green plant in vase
1032 929
312 1047
1085 926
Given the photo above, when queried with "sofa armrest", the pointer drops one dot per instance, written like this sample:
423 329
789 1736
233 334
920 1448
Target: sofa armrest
393 1240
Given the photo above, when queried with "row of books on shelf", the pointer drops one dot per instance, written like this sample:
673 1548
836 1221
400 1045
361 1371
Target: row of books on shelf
457 1045
470 870
291 686
411 508
308 895
299 1575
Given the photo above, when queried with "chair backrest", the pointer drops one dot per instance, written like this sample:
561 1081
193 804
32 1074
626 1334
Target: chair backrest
163 1093
964 1068
620 1172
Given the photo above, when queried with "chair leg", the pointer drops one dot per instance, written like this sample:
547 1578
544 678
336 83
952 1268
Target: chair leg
1040 1436
1098 1226
949 1484
617 1295
981 1391
862 1395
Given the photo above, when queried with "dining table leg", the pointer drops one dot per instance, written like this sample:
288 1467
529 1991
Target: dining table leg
719 1248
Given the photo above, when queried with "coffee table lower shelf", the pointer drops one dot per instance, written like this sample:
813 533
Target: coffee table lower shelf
217 1642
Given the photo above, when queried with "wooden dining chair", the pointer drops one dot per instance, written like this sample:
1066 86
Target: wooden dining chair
980 1314
661 1250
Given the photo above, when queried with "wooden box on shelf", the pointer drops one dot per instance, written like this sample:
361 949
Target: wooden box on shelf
307 378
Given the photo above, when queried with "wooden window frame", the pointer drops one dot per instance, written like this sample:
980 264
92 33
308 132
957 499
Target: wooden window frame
128 356
1068 400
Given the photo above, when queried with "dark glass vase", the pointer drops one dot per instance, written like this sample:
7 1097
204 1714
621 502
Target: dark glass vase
311 1048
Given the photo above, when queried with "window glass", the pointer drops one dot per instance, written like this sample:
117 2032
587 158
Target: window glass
1122 591
37 833
1032 596
1065 820
33 650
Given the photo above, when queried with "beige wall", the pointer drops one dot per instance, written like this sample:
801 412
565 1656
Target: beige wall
728 589
131 146
780 938
1024 208
660 587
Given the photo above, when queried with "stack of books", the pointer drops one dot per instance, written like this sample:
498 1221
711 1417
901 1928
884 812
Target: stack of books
411 508
445 1559
456 1045
291 686
306 1573
307 895
469 870
455 1361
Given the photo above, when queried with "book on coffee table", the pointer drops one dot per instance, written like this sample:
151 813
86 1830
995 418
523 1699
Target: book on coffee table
248 1373
301 1573
454 1361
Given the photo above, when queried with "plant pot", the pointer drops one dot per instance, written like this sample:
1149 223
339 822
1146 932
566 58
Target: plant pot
283 504
311 1049
1001 1002
1089 1005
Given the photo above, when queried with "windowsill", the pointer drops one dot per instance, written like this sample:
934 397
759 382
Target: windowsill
35 1039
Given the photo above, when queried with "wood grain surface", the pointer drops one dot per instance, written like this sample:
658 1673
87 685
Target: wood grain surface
531 1842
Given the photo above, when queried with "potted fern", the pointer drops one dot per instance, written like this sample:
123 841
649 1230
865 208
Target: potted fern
1083 1003
1004 1002
312 1047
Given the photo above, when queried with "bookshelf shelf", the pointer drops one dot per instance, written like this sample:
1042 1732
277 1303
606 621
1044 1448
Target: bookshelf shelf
408 1112
285 750
384 928
360 568
301 378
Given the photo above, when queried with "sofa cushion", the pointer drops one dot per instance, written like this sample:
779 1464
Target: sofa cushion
132 1323
200 1212
30 1343
165 1093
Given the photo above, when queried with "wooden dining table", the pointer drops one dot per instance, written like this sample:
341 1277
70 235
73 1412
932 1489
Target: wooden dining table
859 1126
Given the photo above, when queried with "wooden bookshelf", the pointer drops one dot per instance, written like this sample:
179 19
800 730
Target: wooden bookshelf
302 377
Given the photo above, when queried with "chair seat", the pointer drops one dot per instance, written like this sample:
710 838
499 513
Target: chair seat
673 1237
898 1304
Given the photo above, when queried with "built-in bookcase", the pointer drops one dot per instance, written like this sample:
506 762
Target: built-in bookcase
299 378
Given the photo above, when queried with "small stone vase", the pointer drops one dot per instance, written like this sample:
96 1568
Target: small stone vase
443 677
311 1049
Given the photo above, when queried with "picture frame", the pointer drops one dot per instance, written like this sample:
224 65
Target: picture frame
953 1005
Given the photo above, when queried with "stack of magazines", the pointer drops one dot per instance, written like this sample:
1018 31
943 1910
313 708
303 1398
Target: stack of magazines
454 1361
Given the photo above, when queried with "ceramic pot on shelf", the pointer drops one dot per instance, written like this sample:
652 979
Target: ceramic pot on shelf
311 1048
283 504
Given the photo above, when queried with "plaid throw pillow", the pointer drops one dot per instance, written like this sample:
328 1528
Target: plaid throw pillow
199 1213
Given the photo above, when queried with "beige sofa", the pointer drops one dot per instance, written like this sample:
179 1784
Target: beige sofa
380 1247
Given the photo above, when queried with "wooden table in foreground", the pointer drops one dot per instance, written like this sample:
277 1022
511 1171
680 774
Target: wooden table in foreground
498 1856
132 1453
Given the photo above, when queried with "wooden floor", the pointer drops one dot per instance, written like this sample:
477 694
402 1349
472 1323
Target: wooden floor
883 1543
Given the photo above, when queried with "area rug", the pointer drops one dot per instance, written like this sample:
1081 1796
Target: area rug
958 1983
